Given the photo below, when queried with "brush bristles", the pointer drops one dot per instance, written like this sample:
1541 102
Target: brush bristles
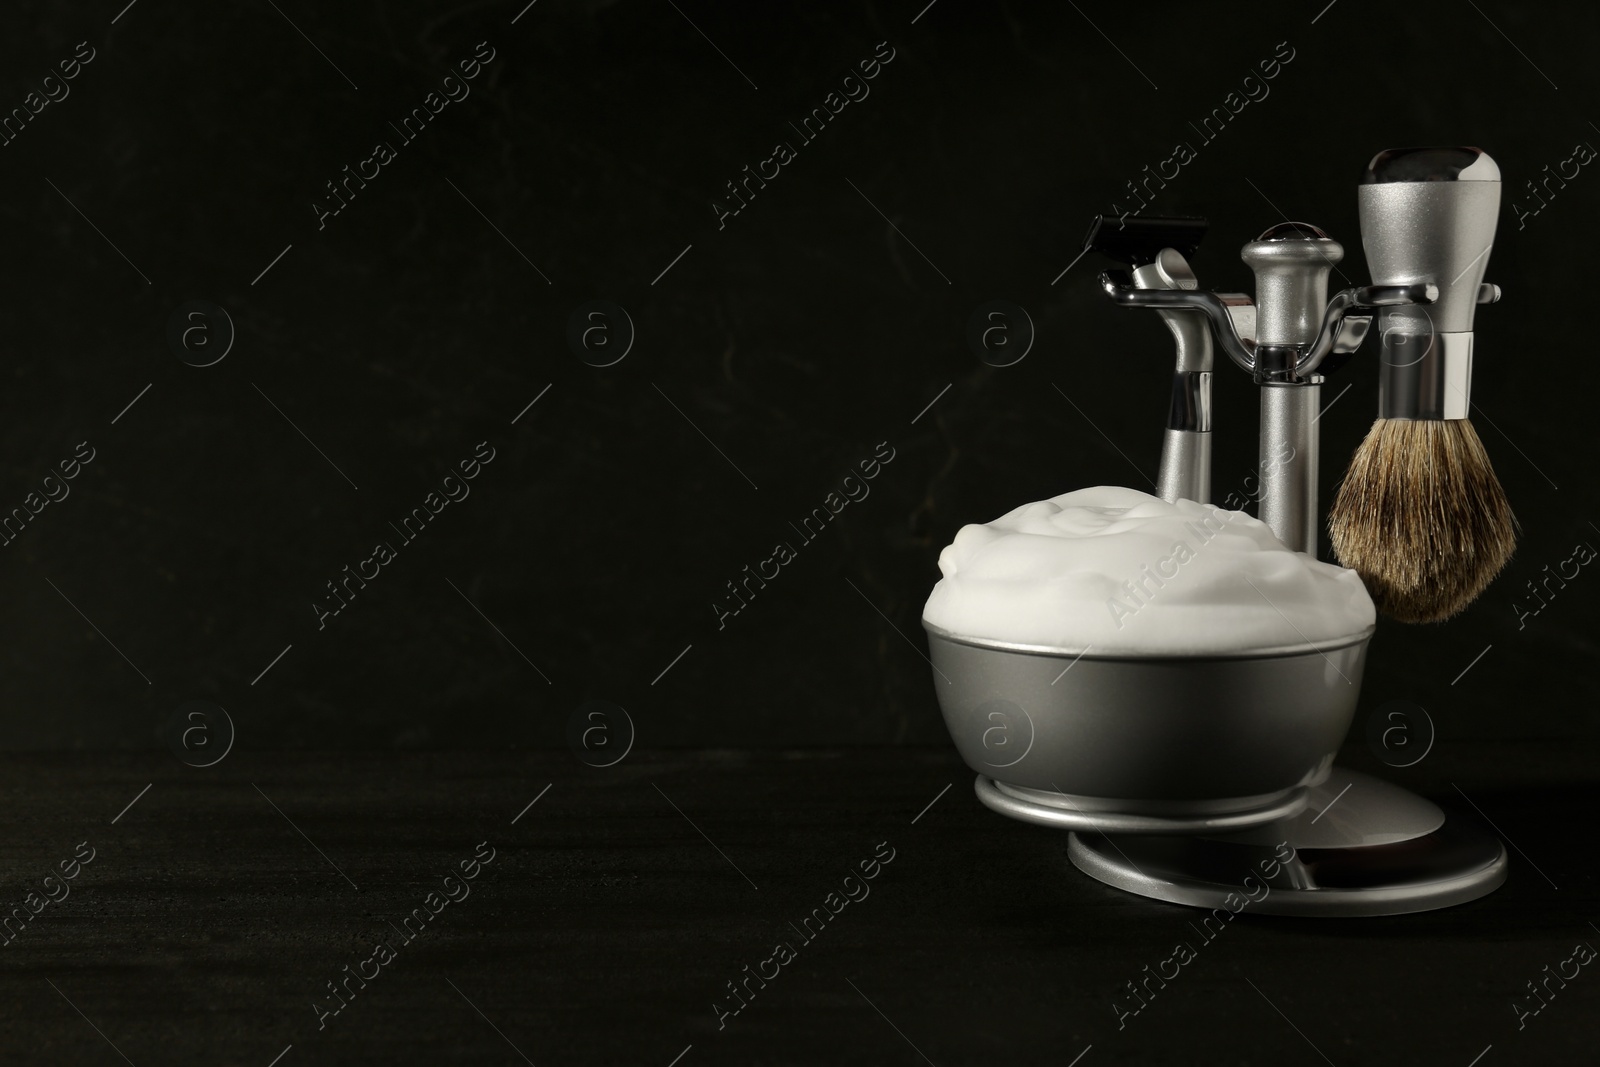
1422 518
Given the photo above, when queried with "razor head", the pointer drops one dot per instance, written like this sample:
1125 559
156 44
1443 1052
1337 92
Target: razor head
1138 241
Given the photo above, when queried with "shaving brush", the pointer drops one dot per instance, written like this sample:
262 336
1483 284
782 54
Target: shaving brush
1420 514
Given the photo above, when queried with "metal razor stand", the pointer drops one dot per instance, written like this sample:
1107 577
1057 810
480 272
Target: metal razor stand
1359 846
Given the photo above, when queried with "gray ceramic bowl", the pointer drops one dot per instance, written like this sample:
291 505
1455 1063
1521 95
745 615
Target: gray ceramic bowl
1156 744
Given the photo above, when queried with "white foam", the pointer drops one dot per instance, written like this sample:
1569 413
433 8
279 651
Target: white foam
1114 570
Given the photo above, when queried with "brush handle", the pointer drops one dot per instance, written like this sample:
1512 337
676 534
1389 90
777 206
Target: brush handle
1429 215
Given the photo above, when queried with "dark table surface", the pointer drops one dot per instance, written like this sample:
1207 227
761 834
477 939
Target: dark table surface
615 910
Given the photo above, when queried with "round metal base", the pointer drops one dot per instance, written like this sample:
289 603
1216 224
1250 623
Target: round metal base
1437 871
1351 845
1068 812
1370 848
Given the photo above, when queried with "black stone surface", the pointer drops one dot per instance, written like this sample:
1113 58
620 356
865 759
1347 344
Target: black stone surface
617 907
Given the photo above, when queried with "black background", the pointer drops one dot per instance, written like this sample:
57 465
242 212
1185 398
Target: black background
796 338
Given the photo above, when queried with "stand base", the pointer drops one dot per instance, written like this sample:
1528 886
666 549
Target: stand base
1362 847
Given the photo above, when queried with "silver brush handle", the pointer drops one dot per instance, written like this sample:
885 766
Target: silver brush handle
1428 215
